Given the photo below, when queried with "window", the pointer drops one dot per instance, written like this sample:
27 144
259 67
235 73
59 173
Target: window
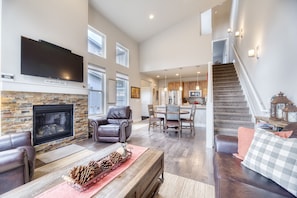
96 82
122 90
206 22
96 42
122 55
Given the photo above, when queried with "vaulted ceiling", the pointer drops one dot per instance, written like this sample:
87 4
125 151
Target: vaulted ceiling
132 17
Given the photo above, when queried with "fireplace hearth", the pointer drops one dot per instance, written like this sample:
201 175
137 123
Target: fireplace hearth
52 122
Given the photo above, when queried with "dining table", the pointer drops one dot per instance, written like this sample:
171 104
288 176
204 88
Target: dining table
173 112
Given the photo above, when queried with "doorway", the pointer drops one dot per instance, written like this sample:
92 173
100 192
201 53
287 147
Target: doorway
220 53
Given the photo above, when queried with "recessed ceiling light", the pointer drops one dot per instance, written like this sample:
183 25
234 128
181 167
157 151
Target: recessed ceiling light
151 16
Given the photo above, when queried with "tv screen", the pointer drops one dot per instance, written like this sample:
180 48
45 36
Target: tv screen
40 58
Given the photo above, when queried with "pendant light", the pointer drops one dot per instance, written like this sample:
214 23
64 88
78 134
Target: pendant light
180 82
165 85
197 84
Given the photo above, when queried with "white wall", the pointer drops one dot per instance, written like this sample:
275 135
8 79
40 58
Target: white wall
180 45
113 35
61 22
270 24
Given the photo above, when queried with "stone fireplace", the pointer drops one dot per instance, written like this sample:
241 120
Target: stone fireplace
17 114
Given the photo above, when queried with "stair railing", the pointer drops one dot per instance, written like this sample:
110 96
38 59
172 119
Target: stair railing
209 109
256 105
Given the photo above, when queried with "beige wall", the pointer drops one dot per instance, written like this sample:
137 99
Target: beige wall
271 25
61 22
113 35
180 45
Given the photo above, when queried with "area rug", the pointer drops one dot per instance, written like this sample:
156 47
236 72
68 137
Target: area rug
181 187
59 153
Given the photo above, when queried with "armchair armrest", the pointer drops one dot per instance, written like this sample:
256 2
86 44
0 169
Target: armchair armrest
31 154
12 159
226 144
95 123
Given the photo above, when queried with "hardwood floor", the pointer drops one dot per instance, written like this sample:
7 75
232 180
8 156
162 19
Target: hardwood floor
186 157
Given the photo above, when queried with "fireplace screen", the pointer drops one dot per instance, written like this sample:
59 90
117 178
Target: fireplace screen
52 122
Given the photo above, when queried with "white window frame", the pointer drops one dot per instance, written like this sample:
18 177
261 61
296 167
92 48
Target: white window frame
97 109
97 33
122 59
122 92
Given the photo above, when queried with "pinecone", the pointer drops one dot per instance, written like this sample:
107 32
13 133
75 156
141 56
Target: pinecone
95 165
82 174
115 157
105 164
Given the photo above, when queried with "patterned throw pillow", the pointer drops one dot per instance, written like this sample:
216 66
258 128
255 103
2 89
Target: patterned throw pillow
275 158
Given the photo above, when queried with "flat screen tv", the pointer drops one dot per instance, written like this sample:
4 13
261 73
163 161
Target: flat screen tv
40 58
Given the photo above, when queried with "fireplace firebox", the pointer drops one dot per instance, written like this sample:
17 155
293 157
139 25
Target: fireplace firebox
52 122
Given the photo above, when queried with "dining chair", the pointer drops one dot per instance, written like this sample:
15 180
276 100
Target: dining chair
172 119
153 119
189 123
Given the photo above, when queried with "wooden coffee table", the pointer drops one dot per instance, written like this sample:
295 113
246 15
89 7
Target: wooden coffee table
142 179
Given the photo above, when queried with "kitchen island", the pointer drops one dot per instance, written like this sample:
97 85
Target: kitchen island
200 114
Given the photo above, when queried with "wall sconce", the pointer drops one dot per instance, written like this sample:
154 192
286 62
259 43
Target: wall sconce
251 53
229 30
254 52
239 33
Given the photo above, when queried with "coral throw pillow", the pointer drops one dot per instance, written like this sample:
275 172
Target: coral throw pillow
245 137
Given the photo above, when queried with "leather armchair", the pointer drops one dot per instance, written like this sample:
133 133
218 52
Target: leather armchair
17 160
116 127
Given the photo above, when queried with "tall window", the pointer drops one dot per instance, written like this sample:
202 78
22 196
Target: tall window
206 22
122 90
96 42
96 82
122 55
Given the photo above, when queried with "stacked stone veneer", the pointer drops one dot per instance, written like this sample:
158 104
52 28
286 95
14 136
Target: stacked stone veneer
17 114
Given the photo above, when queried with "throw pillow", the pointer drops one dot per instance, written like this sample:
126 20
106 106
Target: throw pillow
275 158
284 134
245 137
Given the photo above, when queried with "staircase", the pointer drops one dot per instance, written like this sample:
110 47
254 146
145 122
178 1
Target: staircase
230 107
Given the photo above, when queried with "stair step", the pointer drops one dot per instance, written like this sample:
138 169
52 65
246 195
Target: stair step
233 124
231 103
224 92
226 82
224 71
234 88
232 116
231 109
226 131
219 98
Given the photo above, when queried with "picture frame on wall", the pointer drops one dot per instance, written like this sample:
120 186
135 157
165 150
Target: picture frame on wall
135 92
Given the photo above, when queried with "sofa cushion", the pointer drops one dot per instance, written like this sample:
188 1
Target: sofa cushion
275 158
228 188
228 167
